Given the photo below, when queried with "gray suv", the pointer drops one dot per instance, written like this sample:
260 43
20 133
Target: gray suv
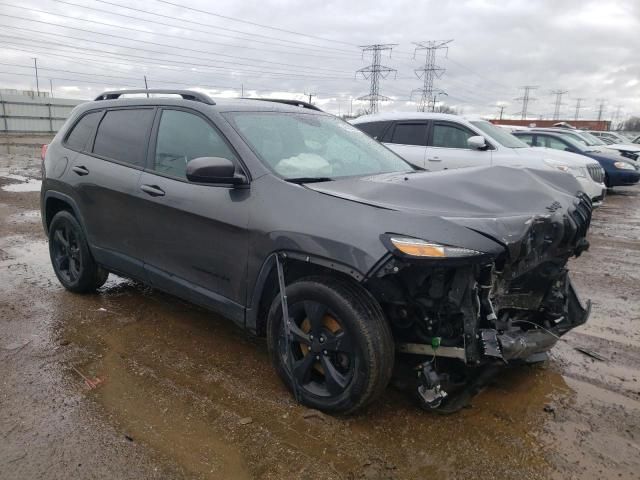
254 208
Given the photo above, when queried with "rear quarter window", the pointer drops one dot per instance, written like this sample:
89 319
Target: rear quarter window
123 135
81 132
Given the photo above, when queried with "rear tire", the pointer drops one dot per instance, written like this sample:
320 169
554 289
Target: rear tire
72 261
342 350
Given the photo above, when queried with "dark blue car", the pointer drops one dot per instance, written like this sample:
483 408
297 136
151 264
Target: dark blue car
618 170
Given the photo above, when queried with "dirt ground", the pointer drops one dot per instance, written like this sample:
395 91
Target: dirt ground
181 393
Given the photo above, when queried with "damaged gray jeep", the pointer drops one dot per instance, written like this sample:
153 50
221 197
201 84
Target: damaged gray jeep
254 208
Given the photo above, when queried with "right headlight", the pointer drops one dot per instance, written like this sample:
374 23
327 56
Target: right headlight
415 247
624 166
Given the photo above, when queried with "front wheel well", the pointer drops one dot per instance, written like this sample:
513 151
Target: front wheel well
293 270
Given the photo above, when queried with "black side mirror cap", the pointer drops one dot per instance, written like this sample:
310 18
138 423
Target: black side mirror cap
214 170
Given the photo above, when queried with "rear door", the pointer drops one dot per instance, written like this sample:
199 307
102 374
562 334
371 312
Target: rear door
409 140
195 235
105 177
448 147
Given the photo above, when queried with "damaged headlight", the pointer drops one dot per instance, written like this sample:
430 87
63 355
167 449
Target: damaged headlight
415 247
624 166
576 172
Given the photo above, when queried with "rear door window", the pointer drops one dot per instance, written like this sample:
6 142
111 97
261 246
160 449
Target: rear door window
410 134
183 136
552 142
82 131
123 135
528 139
373 129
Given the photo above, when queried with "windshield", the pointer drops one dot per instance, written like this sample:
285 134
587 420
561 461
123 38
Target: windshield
500 135
308 146
592 140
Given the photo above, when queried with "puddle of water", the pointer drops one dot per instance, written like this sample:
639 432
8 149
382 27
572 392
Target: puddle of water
30 185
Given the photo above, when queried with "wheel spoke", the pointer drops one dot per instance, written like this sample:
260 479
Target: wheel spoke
297 334
60 238
302 368
336 382
337 342
315 312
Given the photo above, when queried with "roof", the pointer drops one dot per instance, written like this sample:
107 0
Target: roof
114 98
387 116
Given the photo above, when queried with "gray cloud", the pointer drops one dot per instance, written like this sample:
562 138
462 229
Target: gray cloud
589 48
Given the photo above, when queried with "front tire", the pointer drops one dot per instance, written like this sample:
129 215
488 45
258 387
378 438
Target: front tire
72 261
341 352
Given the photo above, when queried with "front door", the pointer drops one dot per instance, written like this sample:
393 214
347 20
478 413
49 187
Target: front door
448 148
195 234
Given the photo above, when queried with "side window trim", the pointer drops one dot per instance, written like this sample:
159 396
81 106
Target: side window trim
91 137
153 143
90 151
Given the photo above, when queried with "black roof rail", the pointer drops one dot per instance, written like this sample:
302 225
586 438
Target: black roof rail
295 103
185 94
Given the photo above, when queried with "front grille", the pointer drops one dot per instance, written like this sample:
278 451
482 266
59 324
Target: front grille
581 215
596 172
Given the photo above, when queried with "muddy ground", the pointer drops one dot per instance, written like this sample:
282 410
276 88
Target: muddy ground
181 393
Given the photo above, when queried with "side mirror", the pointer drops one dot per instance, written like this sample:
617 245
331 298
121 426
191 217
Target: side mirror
213 170
477 142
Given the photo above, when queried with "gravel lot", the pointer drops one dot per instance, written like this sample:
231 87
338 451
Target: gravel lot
181 393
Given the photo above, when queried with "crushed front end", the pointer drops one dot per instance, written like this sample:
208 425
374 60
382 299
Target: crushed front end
453 315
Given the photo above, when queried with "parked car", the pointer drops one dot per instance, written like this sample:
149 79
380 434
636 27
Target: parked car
614 137
618 171
437 141
627 148
298 227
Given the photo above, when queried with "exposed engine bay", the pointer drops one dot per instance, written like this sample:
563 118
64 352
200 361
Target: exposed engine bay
509 309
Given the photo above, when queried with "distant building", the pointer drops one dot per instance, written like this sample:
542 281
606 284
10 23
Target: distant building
579 124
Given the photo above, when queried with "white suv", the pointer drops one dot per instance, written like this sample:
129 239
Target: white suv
437 141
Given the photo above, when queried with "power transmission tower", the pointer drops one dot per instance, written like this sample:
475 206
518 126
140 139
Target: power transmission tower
526 98
558 102
601 106
375 72
429 72
578 107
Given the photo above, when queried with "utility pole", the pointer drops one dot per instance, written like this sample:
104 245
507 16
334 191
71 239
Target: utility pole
558 102
311 95
501 108
146 87
429 72
242 90
578 107
375 72
35 64
601 105
526 98
51 87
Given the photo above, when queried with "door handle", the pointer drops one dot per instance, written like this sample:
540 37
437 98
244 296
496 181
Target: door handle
81 170
434 159
152 190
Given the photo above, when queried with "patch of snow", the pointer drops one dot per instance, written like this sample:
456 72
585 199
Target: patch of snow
28 186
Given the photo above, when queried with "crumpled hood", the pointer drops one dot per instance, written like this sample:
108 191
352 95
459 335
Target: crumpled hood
500 203
487 192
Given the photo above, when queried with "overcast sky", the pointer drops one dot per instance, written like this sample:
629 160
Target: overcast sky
589 48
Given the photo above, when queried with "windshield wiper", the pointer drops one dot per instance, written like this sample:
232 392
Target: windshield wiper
308 179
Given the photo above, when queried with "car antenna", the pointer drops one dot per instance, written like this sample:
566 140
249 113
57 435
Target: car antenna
287 323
